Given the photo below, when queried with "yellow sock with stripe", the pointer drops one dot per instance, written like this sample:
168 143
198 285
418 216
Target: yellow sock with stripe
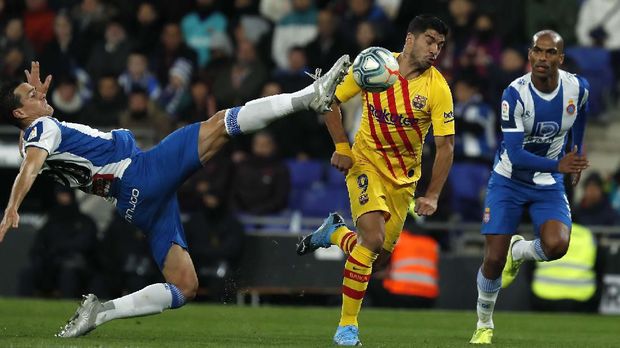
344 238
357 271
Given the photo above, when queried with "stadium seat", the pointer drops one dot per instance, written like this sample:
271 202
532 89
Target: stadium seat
467 180
321 199
305 173
334 178
595 65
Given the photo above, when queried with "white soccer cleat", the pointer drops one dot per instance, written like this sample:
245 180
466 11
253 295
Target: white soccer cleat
83 321
325 86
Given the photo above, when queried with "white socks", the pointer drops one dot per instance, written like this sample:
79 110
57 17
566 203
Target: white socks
153 299
257 114
488 289
528 250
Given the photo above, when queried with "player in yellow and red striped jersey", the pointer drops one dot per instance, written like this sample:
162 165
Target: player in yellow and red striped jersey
384 164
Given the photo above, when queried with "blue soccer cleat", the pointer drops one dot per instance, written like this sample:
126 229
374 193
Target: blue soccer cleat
347 336
321 237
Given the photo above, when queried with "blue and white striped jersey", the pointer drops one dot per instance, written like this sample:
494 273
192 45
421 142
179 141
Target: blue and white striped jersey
535 127
80 156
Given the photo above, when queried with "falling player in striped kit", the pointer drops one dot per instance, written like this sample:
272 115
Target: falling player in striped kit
142 184
383 166
538 110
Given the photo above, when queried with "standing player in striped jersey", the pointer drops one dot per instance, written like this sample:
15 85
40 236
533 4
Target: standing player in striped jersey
142 185
383 166
538 110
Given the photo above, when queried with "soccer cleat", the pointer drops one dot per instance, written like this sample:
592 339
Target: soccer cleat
83 321
347 336
482 336
321 237
325 86
512 266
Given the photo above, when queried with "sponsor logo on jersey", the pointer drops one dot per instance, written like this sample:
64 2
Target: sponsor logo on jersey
487 215
571 108
133 202
419 102
384 116
505 111
448 117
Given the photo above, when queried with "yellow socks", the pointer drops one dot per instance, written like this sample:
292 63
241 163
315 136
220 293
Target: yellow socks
344 238
357 272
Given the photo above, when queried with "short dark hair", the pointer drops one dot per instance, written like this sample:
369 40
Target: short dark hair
10 101
422 23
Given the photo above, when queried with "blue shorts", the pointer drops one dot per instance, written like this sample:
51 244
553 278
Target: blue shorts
147 191
506 200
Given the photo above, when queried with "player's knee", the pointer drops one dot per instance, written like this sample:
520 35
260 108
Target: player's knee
188 285
373 242
494 263
556 248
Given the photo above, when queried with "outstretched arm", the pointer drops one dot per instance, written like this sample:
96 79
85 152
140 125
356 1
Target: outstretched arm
444 145
342 158
35 157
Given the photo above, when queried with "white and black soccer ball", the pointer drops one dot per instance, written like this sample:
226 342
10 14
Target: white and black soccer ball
375 69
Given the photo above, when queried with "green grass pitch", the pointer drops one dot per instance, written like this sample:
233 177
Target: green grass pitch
32 323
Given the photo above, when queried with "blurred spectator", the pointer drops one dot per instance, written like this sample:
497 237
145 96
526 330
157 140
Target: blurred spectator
107 104
595 207
38 24
547 14
13 63
474 148
65 53
175 95
262 182
110 56
366 36
572 283
198 27
298 28
510 67
367 11
598 25
483 48
143 113
90 18
412 278
61 257
241 81
170 49
68 103
461 24
146 27
614 196
220 237
275 10
222 56
328 46
202 105
14 38
293 77
138 75
125 259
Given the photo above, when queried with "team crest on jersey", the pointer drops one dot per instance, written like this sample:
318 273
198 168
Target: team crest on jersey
487 215
571 108
505 111
419 102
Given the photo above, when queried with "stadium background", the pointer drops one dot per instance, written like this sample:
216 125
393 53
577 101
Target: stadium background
191 58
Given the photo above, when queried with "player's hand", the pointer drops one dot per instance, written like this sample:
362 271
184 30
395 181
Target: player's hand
34 79
342 162
574 178
573 163
425 206
9 220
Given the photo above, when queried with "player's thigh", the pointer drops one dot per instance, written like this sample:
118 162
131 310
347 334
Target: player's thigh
548 206
179 270
212 135
398 200
367 192
503 208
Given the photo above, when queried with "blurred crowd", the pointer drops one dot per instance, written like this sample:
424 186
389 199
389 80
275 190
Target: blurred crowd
154 65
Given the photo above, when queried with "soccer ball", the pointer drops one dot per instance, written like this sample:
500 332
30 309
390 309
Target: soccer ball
375 69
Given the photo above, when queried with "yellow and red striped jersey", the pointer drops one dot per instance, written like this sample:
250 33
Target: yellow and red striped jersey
395 122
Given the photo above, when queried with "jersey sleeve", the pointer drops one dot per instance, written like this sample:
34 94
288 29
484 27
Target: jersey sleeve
442 109
348 88
44 134
512 111
579 127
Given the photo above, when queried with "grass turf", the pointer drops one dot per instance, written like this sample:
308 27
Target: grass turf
32 323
